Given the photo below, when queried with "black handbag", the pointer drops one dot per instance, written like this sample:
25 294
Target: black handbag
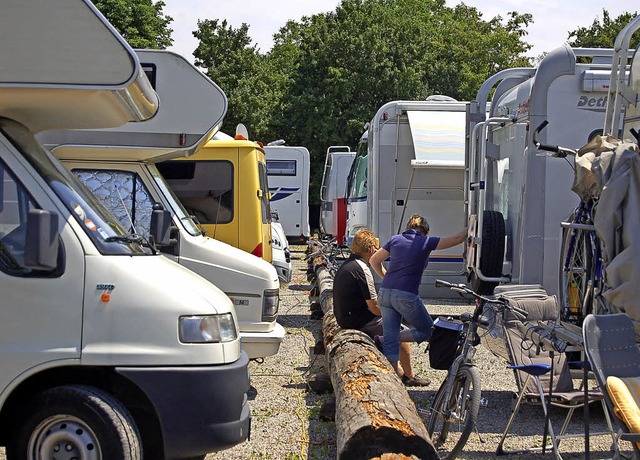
445 342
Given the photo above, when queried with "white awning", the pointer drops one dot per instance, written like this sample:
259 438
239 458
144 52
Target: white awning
438 138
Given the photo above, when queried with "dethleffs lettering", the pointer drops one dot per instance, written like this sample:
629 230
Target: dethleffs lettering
592 102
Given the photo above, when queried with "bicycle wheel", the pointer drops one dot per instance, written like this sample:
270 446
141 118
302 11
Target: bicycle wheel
451 421
577 275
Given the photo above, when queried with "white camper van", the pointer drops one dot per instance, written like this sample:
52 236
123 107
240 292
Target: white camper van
117 165
510 181
288 175
107 349
333 213
356 190
416 164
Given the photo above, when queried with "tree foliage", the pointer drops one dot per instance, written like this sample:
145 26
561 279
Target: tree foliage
602 33
142 23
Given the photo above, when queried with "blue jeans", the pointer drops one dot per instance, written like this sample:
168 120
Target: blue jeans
395 305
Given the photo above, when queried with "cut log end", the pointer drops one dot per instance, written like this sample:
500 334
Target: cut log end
373 443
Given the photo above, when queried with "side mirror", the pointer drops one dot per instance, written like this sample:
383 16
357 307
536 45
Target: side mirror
160 225
42 240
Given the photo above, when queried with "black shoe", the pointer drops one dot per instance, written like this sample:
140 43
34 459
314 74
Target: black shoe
416 381
378 342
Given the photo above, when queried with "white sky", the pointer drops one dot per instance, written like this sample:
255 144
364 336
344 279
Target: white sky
553 19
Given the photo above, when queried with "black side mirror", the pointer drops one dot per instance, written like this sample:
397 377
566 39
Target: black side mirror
41 245
160 225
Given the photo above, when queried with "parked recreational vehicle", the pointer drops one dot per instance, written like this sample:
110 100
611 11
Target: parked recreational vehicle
333 211
281 252
416 164
288 173
106 347
511 181
225 187
119 169
356 191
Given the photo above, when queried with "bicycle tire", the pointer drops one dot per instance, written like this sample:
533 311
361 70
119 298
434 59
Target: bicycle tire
459 414
492 254
577 276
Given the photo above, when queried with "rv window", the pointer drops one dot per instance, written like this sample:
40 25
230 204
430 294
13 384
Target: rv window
14 208
281 167
122 193
98 224
177 169
264 186
150 71
205 188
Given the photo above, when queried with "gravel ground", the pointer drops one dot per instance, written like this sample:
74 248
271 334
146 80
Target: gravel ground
286 423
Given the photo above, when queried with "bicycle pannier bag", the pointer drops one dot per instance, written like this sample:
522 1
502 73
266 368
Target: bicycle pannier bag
444 342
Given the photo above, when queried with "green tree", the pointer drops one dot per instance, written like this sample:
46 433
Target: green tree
142 23
248 78
368 52
602 33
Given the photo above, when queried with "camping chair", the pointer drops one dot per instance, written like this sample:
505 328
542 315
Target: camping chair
610 345
542 372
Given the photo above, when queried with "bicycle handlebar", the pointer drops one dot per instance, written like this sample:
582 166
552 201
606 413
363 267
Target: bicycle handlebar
462 289
558 151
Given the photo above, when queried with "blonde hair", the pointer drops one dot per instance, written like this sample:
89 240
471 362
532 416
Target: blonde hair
363 240
417 222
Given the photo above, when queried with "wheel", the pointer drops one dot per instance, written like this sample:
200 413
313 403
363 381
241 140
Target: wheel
492 252
74 422
577 275
451 422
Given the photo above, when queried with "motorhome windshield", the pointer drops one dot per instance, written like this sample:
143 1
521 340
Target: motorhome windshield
357 181
104 230
179 210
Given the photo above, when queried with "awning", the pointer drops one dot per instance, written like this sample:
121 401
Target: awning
438 138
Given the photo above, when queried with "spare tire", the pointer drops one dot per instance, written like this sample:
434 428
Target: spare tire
492 252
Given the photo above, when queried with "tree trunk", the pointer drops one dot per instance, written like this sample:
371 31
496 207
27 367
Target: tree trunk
374 413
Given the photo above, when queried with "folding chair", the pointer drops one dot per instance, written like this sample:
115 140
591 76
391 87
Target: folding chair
610 345
542 374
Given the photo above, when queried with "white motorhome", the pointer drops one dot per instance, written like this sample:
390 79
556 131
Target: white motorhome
356 191
510 180
333 214
281 251
117 165
288 174
416 164
107 349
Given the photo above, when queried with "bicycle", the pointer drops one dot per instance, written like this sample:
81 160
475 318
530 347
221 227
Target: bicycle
457 402
581 271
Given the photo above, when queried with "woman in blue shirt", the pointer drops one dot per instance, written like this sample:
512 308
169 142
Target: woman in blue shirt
399 292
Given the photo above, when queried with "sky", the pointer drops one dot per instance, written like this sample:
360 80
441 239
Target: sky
553 19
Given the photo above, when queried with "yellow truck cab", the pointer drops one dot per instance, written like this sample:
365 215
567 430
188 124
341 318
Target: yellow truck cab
224 186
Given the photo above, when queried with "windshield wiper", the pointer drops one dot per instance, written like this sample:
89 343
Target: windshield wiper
125 239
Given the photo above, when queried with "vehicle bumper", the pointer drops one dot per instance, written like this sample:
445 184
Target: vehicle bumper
284 270
200 409
261 344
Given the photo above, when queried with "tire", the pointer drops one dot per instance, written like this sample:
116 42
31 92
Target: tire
450 422
86 422
492 253
577 276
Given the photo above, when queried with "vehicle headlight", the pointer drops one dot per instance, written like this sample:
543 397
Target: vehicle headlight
270 302
207 328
